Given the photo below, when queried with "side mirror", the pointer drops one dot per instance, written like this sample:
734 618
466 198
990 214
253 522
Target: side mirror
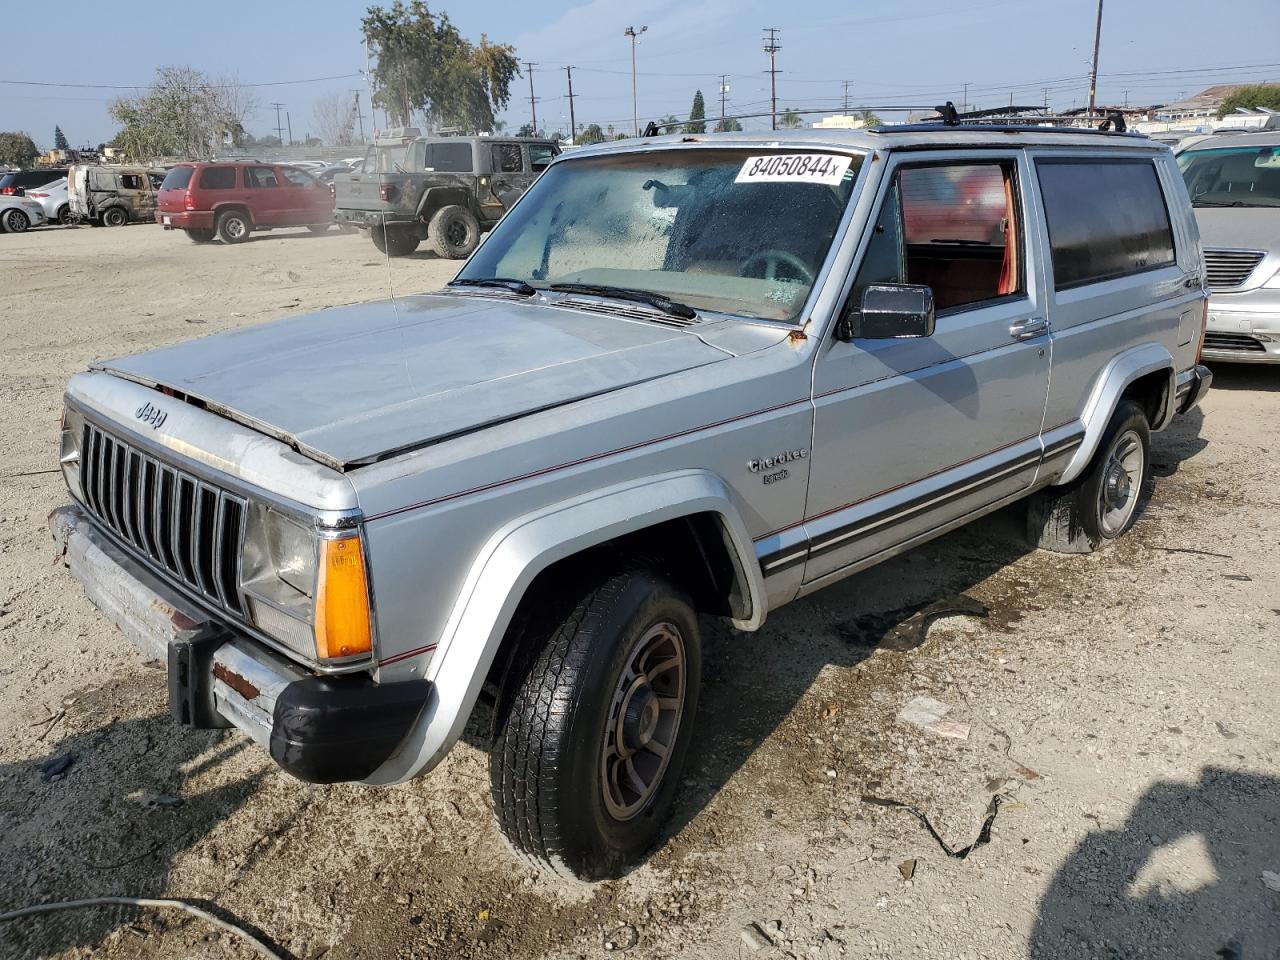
891 311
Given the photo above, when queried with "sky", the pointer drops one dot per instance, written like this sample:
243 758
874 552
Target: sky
913 51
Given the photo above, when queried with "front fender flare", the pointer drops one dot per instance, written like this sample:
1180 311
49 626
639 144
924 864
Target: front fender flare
508 564
1123 370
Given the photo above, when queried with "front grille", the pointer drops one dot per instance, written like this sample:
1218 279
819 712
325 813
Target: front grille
1230 268
1232 341
184 525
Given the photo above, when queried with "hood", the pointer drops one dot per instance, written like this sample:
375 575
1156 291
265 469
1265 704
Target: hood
355 384
1239 228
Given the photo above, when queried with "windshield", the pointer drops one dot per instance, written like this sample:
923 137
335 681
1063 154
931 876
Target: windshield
734 231
1233 176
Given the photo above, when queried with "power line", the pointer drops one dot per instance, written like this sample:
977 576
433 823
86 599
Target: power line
143 86
771 47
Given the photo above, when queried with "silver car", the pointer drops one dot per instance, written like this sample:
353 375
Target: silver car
18 214
696 375
1234 182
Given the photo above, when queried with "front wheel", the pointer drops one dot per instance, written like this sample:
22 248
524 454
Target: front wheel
595 723
15 221
1101 504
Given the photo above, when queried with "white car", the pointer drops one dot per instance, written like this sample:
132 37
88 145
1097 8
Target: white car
19 214
53 198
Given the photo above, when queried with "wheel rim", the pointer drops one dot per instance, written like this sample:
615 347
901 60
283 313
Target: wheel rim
1121 483
16 221
644 721
114 218
456 233
235 228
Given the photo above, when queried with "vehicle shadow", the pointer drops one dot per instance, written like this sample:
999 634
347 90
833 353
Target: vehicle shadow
1181 877
1246 376
752 682
134 798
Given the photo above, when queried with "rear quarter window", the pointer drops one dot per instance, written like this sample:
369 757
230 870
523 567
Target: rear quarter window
1107 219
448 157
178 178
218 178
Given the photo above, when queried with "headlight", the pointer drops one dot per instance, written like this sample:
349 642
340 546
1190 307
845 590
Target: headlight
309 591
69 451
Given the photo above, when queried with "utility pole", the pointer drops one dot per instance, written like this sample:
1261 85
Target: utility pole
1046 99
290 123
1126 99
724 93
771 47
359 113
573 124
964 101
279 127
846 96
533 103
635 109
1093 73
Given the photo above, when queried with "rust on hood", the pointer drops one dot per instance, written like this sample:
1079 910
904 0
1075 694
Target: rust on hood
236 682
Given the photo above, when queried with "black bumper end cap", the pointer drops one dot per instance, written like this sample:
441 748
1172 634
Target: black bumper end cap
190 664
339 729
1201 381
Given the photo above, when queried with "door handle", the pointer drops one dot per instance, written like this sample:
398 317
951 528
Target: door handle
1029 329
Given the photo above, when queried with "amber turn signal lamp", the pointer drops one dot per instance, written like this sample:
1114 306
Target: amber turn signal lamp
342 600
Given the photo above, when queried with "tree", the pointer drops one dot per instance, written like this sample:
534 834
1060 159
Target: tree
728 125
591 133
17 150
60 139
870 119
790 119
425 65
1255 95
697 115
184 114
334 116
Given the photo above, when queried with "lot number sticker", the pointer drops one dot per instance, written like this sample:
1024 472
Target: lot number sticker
828 168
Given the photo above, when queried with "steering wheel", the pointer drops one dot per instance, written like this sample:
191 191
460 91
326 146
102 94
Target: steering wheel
771 259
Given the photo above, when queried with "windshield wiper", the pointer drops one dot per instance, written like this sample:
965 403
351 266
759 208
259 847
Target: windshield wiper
668 306
507 283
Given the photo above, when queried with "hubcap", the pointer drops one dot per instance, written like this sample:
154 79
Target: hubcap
456 233
644 720
235 228
1121 483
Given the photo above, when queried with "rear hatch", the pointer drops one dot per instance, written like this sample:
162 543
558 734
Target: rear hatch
172 195
378 185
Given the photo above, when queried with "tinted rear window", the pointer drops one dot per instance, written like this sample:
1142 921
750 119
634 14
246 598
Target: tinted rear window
448 157
218 178
1107 219
178 178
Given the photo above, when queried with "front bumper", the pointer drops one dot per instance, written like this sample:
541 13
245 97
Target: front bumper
320 729
1243 327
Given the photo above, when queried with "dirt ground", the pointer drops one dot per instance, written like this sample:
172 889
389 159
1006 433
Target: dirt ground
1122 706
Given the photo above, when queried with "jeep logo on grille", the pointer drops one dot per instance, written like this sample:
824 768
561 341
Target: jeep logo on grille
151 415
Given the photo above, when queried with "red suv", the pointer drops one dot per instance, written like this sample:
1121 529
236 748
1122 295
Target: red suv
229 200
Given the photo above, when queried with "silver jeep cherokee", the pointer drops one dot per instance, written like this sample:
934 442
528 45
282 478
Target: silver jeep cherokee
691 375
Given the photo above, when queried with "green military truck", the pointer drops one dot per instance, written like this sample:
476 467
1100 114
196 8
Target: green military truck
445 190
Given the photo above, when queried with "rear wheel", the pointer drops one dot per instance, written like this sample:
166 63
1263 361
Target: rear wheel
15 221
393 241
594 724
1102 504
319 227
454 232
65 216
202 236
115 217
233 226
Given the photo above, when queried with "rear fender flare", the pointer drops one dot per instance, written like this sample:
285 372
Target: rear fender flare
1123 370
508 564
433 198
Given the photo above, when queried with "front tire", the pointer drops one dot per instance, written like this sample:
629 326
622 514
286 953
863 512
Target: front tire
595 723
15 221
454 232
114 217
1102 504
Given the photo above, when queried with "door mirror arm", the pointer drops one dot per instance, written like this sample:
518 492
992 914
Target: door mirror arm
890 311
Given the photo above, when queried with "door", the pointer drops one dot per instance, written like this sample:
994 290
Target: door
911 434
307 199
509 178
268 200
